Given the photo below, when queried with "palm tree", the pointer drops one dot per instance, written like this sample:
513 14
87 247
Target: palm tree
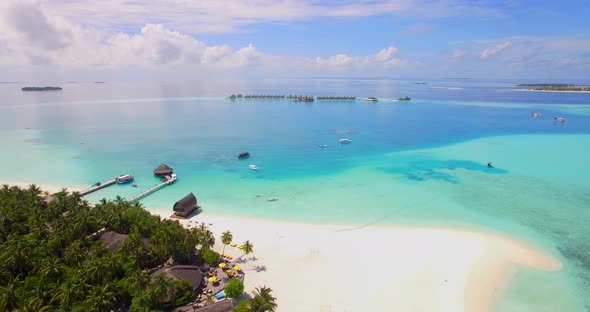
248 248
103 298
226 238
263 301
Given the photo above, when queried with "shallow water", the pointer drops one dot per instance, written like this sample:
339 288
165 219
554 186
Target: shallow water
419 162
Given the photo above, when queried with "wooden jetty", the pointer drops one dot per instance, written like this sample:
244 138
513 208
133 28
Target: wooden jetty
168 180
98 186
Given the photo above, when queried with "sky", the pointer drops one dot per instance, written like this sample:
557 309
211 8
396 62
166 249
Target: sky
199 39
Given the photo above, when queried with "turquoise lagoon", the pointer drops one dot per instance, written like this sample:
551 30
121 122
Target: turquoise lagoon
420 162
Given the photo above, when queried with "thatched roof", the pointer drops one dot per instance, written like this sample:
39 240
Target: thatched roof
163 169
186 205
113 240
220 306
191 273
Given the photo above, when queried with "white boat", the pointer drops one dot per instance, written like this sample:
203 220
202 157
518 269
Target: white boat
323 145
559 119
124 179
253 167
370 99
344 141
272 199
536 115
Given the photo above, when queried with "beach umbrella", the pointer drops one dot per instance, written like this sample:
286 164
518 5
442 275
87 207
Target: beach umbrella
237 268
233 244
228 272
241 246
222 265
212 279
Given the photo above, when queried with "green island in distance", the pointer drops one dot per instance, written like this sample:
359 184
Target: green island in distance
41 89
554 87
407 98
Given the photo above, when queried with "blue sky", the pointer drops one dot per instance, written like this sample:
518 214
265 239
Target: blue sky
407 38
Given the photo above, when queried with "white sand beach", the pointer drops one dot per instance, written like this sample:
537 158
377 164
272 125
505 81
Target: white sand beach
377 268
314 267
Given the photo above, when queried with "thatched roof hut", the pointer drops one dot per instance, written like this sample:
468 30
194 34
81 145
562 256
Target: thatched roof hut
163 170
114 241
219 306
191 273
187 205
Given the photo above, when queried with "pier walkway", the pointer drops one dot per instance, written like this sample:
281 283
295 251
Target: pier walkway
98 186
169 180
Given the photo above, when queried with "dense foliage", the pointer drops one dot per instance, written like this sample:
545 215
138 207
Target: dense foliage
234 288
50 261
261 301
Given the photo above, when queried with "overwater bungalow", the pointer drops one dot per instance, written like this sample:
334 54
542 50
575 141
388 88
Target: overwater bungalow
163 170
186 206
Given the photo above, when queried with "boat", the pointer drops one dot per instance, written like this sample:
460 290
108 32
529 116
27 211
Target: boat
253 167
536 115
124 179
272 199
370 99
559 119
323 145
344 141
134 185
244 155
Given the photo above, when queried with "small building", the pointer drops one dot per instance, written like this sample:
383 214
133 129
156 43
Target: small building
219 306
186 206
191 273
163 170
113 241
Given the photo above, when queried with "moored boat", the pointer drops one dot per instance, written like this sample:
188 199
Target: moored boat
124 179
244 155
345 141
253 167
370 99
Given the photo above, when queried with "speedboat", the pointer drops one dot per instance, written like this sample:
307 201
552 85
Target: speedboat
536 115
559 119
253 167
370 99
344 141
124 179
272 199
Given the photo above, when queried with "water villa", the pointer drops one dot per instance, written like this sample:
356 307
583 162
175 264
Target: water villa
163 170
338 98
185 207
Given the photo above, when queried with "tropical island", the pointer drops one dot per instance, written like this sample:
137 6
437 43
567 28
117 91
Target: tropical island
58 252
407 98
41 89
554 87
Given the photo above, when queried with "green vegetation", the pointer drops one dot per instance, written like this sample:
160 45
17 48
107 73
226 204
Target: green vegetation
262 301
247 248
41 88
49 259
554 87
407 98
234 288
226 238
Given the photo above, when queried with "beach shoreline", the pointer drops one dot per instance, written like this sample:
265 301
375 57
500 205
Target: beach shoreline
550 91
455 269
371 268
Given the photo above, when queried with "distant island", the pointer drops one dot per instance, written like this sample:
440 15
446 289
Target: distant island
407 98
554 87
41 89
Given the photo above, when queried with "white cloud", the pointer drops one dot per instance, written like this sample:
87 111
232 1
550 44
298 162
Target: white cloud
491 51
388 57
227 16
458 55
